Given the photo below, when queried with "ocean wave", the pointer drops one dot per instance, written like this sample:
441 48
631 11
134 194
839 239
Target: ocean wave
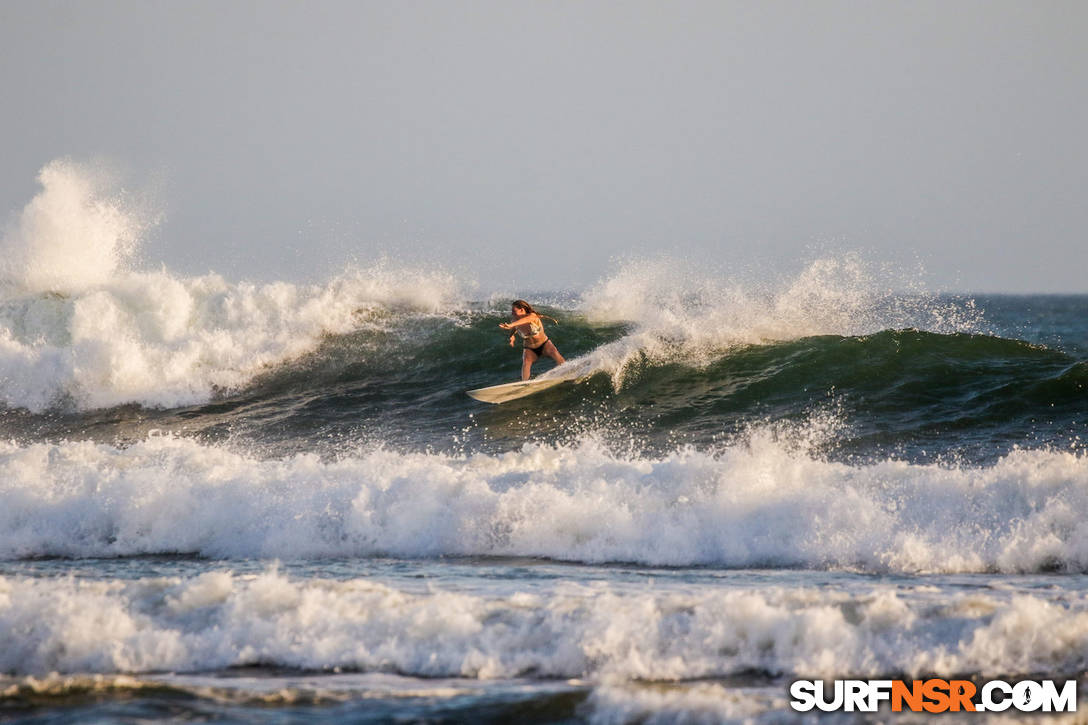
600 631
79 326
766 501
670 353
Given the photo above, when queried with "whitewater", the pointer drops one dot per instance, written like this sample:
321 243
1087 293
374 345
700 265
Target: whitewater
219 496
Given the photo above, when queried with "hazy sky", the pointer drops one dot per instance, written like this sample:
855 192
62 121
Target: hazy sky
533 142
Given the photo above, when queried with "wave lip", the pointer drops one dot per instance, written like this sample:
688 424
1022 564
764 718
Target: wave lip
218 620
761 503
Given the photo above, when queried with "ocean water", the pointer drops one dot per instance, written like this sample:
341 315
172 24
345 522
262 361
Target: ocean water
272 502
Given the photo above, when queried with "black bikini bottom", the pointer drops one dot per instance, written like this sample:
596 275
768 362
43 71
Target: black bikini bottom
538 348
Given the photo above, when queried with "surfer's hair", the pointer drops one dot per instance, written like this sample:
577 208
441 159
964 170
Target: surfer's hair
529 310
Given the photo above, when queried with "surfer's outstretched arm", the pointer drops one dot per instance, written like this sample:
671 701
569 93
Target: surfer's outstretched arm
520 322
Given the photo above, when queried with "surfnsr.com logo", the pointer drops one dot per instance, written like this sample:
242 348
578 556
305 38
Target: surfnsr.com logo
933 695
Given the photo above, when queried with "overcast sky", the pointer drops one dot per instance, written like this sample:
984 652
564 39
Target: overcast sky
533 142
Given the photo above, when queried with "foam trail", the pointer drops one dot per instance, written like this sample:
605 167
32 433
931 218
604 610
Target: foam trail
762 503
218 620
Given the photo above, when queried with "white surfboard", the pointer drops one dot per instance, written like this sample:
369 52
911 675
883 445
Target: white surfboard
520 389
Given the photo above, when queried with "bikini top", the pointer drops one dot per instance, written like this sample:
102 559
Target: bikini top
535 328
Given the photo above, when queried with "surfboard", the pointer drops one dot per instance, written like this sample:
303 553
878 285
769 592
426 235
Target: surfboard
512 391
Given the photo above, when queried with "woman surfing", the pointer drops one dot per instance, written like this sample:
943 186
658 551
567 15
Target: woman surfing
528 324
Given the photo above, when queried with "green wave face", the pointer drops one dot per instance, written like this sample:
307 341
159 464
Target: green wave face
907 392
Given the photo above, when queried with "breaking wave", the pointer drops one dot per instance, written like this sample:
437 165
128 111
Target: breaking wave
762 502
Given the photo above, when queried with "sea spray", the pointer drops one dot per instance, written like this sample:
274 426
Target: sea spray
77 233
677 313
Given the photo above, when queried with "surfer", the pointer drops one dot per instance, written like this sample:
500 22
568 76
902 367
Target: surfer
529 325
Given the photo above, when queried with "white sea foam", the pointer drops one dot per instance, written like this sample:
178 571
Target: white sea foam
153 339
762 502
598 631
